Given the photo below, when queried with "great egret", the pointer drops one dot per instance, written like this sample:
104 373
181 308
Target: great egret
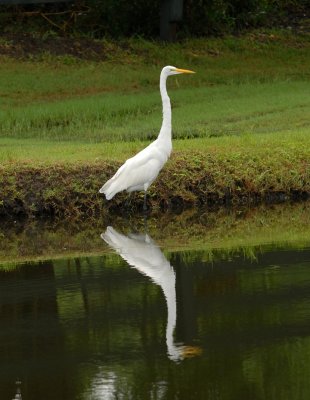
142 253
140 171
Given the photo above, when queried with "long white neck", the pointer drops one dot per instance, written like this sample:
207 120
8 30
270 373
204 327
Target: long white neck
165 131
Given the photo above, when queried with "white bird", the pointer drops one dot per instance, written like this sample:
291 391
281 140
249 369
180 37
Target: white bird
140 171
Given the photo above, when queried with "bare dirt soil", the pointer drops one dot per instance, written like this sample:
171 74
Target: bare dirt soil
29 45
25 46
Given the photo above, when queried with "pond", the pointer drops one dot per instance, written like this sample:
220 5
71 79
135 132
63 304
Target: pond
153 312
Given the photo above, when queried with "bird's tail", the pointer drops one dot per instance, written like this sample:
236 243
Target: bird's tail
107 190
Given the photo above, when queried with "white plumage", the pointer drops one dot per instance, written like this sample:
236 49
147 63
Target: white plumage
140 171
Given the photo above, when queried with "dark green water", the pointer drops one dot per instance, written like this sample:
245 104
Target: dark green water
142 324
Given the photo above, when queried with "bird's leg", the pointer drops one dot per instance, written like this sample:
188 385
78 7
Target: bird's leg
127 202
144 203
145 223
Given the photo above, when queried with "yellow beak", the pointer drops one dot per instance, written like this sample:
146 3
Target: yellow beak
185 71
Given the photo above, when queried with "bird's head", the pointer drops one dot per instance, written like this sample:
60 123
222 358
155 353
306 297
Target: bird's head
169 70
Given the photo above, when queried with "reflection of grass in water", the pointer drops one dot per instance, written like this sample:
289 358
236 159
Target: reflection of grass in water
219 235
217 254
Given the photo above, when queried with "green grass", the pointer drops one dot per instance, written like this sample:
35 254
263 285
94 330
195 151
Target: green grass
197 112
275 145
63 178
255 83
241 125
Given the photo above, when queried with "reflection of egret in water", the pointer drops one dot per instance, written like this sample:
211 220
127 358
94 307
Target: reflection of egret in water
18 395
141 252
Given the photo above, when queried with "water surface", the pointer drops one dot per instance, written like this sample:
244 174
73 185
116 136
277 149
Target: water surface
141 322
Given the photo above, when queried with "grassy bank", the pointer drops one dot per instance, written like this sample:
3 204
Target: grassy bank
240 125
235 169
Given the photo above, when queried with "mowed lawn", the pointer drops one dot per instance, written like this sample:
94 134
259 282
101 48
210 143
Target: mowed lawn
197 112
280 146
258 83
